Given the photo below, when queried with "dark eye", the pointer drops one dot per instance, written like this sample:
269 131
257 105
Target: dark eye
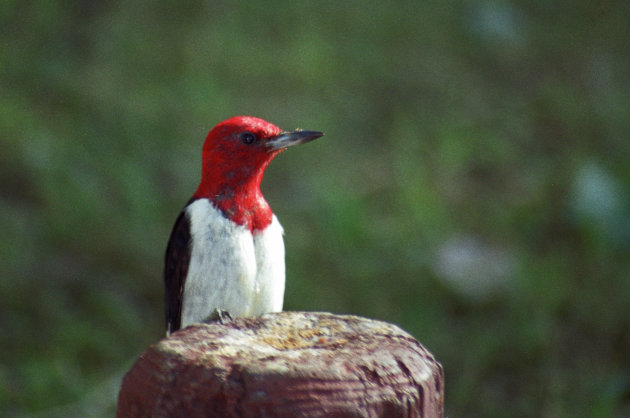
247 138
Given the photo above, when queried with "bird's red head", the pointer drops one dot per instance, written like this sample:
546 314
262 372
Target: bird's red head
235 155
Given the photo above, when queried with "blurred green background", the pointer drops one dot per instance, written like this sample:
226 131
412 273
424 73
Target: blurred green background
472 186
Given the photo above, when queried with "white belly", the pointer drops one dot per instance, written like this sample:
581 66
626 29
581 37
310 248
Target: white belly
230 268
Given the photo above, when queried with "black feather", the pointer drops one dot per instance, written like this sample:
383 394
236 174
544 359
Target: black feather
175 270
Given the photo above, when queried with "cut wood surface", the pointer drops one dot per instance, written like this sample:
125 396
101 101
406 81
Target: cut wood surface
284 365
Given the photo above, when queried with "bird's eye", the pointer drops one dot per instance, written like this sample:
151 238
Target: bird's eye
247 138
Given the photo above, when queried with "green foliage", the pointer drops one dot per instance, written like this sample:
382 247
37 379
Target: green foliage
472 185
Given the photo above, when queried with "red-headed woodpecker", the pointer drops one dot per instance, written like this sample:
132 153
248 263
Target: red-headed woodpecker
226 250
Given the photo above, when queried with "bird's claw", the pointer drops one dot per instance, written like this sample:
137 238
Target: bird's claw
219 316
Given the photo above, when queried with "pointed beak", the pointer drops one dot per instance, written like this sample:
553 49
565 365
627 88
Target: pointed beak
288 139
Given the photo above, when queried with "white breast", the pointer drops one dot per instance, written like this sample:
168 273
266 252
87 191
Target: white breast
230 268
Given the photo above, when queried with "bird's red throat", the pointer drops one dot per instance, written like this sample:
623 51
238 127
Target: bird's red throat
236 193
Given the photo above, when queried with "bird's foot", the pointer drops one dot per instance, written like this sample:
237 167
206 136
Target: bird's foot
219 316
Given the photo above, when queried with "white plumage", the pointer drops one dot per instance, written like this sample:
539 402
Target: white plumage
230 268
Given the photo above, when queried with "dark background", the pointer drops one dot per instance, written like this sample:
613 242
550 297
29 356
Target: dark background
472 186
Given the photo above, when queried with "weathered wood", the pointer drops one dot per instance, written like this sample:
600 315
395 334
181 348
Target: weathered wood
285 364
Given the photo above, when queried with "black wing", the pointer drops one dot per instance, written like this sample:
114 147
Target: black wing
175 271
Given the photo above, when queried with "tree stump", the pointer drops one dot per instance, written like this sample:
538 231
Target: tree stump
285 364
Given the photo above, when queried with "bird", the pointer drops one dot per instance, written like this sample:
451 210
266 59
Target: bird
226 249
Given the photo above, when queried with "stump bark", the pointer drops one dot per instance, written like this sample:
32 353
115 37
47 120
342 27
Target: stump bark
286 364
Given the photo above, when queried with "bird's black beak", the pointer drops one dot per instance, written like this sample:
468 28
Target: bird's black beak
288 139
